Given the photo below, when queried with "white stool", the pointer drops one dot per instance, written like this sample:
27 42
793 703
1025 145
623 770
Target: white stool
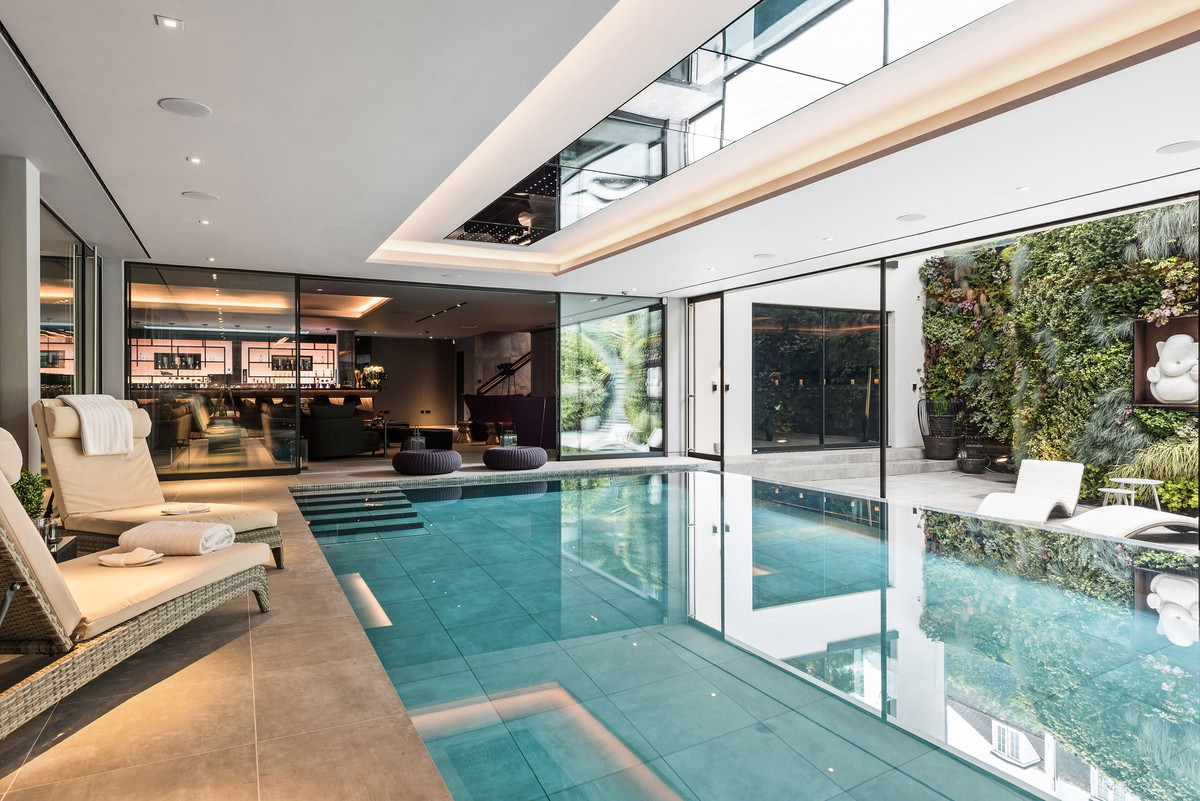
1118 496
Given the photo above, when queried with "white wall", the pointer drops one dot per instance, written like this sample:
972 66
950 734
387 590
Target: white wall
674 386
111 344
851 288
20 286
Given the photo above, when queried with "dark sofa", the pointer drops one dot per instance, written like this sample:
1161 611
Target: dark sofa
335 430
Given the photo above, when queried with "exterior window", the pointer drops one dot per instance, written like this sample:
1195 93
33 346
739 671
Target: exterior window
611 373
1007 742
1105 789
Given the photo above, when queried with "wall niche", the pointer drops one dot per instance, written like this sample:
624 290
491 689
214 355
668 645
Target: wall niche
1146 337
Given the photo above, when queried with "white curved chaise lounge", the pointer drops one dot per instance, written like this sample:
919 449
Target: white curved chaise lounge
1042 488
100 497
1132 521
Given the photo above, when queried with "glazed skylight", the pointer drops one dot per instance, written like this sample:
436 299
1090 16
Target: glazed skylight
775 59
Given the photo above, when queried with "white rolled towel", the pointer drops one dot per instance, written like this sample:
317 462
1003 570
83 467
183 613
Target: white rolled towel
178 537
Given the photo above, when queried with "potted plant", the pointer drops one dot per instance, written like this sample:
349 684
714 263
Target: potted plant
30 490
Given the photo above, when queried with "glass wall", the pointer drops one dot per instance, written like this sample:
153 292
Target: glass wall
610 374
817 377
64 344
213 358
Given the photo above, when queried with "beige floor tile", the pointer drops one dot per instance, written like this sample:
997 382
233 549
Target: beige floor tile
302 603
164 721
318 696
226 775
180 659
17 747
379 759
297 644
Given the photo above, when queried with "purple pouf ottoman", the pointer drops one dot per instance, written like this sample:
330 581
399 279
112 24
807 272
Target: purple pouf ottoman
515 457
426 463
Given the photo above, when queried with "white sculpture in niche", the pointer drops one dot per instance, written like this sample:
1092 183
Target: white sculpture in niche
1176 377
1177 601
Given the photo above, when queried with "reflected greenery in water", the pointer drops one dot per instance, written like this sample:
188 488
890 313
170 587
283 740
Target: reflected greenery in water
1042 630
620 525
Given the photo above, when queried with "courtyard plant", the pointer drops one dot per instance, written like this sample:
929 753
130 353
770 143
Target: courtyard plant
1035 335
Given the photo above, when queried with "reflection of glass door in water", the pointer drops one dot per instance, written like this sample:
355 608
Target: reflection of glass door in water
705 378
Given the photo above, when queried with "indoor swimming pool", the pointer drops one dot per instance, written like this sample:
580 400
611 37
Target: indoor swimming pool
711 636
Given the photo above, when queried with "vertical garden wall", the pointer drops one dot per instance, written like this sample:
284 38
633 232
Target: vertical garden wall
1036 336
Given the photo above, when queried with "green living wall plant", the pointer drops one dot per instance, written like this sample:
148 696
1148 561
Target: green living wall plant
1035 336
585 379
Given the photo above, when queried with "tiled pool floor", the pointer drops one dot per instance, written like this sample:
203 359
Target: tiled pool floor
547 658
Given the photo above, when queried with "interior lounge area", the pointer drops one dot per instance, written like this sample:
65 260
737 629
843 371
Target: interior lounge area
248 373
792 399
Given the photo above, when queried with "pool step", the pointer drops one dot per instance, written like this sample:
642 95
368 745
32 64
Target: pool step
378 529
805 466
350 508
355 511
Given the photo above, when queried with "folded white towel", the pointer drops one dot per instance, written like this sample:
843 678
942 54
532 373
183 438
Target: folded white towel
186 509
138 557
105 426
178 537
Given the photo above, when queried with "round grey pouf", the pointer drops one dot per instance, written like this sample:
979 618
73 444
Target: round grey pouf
515 457
426 463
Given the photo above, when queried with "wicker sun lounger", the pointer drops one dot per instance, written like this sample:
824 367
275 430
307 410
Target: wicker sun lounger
100 497
89 617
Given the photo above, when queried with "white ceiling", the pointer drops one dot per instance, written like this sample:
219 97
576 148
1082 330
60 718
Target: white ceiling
336 123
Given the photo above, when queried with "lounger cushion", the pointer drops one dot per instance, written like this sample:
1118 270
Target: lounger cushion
62 422
92 483
10 459
16 522
118 521
1125 521
108 596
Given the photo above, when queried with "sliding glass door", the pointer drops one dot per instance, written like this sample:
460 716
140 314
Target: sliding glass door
816 377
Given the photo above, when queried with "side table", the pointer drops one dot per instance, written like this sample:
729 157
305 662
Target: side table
1135 483
66 549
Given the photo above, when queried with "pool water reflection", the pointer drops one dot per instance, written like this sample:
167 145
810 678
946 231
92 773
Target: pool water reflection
646 637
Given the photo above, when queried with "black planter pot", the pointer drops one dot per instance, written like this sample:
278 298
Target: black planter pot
942 448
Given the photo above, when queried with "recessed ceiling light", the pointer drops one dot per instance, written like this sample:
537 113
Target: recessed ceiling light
200 196
829 239
911 217
1179 147
194 160
320 290
212 258
168 22
181 105
1024 188
764 255
206 222
712 269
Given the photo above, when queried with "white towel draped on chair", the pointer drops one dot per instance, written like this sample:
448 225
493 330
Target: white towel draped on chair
178 537
104 424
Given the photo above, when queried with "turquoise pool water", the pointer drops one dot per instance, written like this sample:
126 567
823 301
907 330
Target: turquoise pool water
700 636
